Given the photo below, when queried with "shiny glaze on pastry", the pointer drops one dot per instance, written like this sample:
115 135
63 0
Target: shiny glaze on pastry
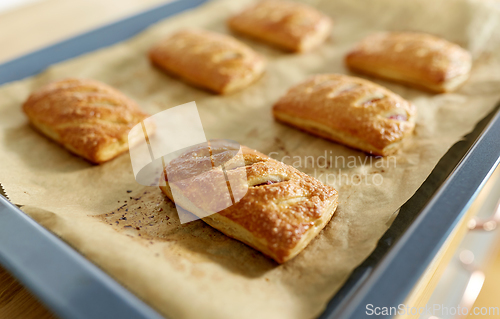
289 25
348 110
281 212
417 59
207 59
89 118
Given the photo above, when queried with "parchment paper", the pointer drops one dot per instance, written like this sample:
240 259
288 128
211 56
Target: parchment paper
191 270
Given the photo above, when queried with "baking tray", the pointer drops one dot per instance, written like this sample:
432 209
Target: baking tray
73 287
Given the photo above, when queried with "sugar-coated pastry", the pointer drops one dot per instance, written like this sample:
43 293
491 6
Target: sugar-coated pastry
286 24
89 118
348 110
207 59
417 59
282 211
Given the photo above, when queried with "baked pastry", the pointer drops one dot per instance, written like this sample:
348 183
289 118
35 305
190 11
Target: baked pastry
289 25
348 110
417 59
281 211
207 59
89 118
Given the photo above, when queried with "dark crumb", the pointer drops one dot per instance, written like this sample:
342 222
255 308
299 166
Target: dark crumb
128 226
137 228
126 210
129 191
117 222
123 218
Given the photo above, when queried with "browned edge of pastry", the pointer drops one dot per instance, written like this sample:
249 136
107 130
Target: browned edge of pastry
348 110
280 214
87 117
415 59
288 25
208 60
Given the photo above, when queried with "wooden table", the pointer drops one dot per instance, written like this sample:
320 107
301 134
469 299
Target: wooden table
17 302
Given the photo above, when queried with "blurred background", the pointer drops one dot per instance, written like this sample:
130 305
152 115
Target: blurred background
468 264
31 24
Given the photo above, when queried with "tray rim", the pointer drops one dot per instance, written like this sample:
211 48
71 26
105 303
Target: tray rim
478 158
435 222
50 268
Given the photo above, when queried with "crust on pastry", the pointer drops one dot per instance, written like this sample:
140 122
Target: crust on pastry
209 60
278 219
289 25
348 110
416 59
89 118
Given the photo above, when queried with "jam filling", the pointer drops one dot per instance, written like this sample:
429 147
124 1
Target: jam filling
266 183
398 117
372 101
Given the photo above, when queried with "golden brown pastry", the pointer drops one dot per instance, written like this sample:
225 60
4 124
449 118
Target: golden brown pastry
348 110
281 212
89 118
289 25
207 59
417 59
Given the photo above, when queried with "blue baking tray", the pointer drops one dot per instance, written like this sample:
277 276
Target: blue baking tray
72 287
